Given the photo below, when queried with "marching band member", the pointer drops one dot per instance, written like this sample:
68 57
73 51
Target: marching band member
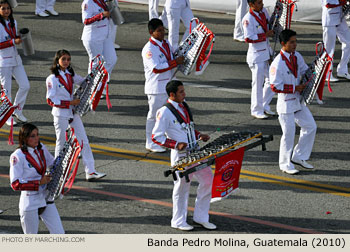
168 132
285 74
10 61
153 12
176 10
60 97
159 64
241 10
334 26
45 8
28 165
96 35
256 33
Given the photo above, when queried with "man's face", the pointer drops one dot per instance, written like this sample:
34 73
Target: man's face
257 6
180 94
291 45
158 33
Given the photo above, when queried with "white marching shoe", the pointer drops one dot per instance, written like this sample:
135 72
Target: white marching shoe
20 117
302 163
43 14
52 12
94 176
8 122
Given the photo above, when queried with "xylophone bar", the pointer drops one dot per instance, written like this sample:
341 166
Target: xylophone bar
201 165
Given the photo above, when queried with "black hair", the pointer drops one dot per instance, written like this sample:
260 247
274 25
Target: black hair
154 23
2 20
173 86
55 66
286 34
24 134
251 1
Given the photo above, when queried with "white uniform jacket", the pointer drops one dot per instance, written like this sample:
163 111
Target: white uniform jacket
8 51
176 3
158 63
57 94
96 27
331 12
168 132
25 178
259 47
283 82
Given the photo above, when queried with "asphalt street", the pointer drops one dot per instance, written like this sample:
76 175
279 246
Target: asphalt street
135 197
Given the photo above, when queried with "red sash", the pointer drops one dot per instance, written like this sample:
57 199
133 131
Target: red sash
41 169
68 86
292 65
167 53
262 20
11 31
102 4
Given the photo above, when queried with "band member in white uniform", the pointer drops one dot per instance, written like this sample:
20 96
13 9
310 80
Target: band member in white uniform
97 37
256 33
285 74
241 10
178 10
59 95
45 8
159 65
334 26
10 61
168 132
28 165
153 12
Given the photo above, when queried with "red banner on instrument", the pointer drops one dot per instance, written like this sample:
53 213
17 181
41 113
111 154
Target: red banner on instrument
226 177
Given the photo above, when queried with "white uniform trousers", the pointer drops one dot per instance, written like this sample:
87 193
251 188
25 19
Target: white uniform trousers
50 216
104 48
153 12
181 193
174 15
241 10
43 5
61 124
261 94
155 102
20 75
342 31
302 150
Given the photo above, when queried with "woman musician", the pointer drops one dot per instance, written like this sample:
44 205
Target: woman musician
60 97
27 174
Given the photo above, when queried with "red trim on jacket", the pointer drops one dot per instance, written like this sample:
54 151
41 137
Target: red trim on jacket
6 44
64 104
29 186
261 38
287 89
172 64
93 19
330 6
169 143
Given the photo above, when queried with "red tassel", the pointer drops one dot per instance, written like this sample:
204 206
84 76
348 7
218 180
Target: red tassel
108 101
10 141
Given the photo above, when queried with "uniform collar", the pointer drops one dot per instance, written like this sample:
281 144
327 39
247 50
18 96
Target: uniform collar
287 54
174 103
63 72
160 43
31 150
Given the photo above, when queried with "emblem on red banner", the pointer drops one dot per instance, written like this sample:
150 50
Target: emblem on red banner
226 177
